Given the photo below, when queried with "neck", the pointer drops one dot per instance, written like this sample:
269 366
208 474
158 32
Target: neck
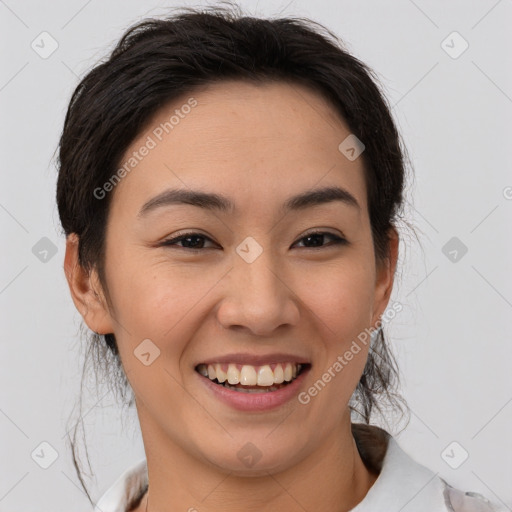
331 477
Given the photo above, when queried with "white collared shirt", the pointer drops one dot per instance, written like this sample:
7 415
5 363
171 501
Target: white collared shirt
403 485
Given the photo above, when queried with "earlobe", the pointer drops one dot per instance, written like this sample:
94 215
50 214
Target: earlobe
86 290
385 277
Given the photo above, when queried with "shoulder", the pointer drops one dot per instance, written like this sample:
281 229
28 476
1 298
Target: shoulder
127 490
460 501
406 485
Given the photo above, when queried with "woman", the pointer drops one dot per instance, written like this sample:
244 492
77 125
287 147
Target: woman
230 189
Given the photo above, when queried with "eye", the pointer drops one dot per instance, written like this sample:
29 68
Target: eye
316 238
195 241
191 241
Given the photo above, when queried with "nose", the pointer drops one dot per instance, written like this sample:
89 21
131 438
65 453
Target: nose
258 297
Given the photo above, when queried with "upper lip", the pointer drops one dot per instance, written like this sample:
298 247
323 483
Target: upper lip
255 360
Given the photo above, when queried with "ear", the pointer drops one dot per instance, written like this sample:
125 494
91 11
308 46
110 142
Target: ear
385 277
85 290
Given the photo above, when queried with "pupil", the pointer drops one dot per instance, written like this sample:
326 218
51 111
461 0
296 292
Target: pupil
194 237
316 236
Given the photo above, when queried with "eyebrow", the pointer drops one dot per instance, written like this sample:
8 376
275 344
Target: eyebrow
212 201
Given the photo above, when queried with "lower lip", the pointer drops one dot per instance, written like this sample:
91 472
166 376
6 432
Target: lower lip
263 401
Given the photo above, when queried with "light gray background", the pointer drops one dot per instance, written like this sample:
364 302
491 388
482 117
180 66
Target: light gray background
453 337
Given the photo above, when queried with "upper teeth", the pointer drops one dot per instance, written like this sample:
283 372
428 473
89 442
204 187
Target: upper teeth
249 375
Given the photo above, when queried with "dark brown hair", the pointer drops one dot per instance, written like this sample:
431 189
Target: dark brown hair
158 61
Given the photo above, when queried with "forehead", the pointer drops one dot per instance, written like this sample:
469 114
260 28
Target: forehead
251 142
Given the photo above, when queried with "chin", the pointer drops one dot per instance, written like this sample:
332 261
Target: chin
254 458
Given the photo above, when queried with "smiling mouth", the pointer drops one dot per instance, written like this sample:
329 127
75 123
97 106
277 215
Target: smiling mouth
252 379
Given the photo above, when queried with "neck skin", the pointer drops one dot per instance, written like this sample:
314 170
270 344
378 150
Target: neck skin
333 477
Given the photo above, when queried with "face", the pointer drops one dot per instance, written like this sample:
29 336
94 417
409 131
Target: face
258 281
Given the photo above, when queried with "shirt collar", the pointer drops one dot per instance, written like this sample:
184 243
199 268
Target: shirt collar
403 485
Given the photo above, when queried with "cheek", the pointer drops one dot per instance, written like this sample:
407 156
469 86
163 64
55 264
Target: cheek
341 296
162 307
155 302
340 299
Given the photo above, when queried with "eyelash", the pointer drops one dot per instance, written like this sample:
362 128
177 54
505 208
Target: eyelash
166 243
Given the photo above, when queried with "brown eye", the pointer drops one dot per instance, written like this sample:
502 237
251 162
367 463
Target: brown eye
316 239
191 241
